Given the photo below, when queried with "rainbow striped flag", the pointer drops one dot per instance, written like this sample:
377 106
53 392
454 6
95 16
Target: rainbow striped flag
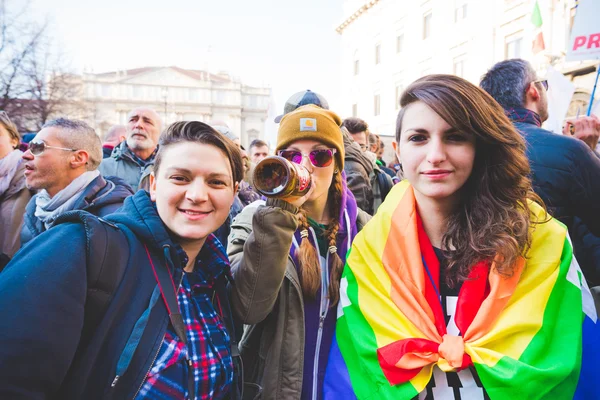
524 335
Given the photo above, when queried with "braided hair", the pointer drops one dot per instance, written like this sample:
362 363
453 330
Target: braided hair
308 258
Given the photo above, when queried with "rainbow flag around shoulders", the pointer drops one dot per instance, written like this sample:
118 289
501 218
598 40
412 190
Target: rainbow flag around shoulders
524 335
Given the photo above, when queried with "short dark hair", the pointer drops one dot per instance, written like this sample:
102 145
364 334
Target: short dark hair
257 143
507 82
78 135
355 125
199 132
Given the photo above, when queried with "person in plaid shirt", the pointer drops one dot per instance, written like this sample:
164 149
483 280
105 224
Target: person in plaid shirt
167 328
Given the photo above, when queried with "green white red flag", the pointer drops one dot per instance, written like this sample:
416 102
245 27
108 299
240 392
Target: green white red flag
538 37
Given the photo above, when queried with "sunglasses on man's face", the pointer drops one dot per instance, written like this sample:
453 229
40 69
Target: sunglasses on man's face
319 158
38 146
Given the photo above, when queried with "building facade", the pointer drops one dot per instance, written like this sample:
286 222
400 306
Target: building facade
387 44
177 94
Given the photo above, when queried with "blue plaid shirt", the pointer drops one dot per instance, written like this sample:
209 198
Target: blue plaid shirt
208 340
140 161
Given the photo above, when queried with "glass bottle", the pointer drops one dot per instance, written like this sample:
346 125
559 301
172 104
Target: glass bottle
275 176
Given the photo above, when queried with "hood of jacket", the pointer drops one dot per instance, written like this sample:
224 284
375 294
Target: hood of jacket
348 226
140 216
120 151
104 191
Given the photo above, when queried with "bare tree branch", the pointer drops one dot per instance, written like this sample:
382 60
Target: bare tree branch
36 83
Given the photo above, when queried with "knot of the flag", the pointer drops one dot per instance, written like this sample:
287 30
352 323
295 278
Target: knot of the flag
452 350
403 360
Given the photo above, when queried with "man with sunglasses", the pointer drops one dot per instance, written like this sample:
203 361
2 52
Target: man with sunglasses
61 164
564 170
133 159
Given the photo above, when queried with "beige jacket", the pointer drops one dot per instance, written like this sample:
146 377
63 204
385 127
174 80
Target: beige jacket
12 208
267 296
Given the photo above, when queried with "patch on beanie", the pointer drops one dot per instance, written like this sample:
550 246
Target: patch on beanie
308 124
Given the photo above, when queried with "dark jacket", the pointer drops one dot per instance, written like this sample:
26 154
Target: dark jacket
121 164
566 175
43 354
358 169
280 348
107 151
101 197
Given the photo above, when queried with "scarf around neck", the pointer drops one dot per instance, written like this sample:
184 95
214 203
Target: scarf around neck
48 209
391 330
8 168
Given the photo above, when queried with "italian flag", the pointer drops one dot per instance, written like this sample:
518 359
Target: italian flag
538 37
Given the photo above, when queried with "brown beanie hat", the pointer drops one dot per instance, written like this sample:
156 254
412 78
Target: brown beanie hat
313 123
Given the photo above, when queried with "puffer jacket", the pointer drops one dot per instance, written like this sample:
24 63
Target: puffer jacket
122 165
12 209
268 296
101 197
565 173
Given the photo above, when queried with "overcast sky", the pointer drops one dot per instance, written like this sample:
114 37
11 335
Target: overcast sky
288 45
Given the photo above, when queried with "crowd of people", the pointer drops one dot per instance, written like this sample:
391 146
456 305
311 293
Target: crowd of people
148 266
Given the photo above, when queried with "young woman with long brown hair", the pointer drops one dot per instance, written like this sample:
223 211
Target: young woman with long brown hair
287 258
461 286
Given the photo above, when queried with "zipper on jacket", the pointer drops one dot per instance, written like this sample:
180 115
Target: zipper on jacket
155 356
149 368
324 306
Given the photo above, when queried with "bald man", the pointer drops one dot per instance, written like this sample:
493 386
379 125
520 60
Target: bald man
133 159
115 135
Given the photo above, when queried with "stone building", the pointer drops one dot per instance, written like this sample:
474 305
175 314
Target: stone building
177 94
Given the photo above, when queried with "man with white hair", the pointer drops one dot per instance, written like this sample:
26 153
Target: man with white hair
133 159
61 164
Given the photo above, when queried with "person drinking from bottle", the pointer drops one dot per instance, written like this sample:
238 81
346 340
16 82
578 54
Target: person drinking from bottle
287 257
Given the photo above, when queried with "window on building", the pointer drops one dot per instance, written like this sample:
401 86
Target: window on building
400 43
458 67
399 90
460 12
376 105
355 110
105 90
377 53
512 48
427 25
137 91
356 67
